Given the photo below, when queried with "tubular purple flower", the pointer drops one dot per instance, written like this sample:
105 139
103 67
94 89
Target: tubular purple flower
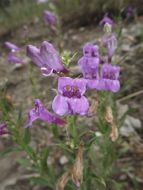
110 42
109 78
89 64
12 58
89 68
40 112
34 53
105 20
71 99
129 12
49 18
3 129
46 58
12 46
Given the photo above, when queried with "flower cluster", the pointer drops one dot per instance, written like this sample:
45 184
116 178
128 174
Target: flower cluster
103 78
71 97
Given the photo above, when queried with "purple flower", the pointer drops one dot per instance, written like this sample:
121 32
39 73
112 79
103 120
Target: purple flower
12 47
105 20
110 42
89 68
40 112
12 58
90 50
71 99
89 64
109 78
129 12
49 18
46 58
3 129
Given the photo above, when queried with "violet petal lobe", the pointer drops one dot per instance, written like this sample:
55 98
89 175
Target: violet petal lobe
34 53
79 105
12 46
93 84
62 82
60 105
51 57
13 58
105 20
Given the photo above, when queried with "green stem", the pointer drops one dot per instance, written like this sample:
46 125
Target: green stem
73 130
33 81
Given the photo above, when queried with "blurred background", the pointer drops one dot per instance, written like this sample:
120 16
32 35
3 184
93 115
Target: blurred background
21 22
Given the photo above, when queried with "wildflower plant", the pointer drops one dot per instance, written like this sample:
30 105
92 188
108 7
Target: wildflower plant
90 150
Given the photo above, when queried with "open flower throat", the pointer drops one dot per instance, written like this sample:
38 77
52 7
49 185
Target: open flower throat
109 75
38 108
71 91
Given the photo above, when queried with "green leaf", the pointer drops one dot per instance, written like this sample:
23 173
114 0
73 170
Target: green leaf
27 135
9 150
24 162
44 157
55 130
30 152
39 181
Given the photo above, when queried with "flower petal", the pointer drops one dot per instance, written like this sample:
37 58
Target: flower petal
60 105
12 58
34 53
50 56
12 46
62 82
115 86
79 105
32 116
107 84
46 71
81 84
93 84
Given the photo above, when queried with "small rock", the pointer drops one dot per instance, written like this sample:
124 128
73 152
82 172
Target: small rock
122 109
63 160
125 48
129 126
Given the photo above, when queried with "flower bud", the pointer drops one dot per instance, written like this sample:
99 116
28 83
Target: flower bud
77 169
93 107
62 181
109 115
114 132
107 28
